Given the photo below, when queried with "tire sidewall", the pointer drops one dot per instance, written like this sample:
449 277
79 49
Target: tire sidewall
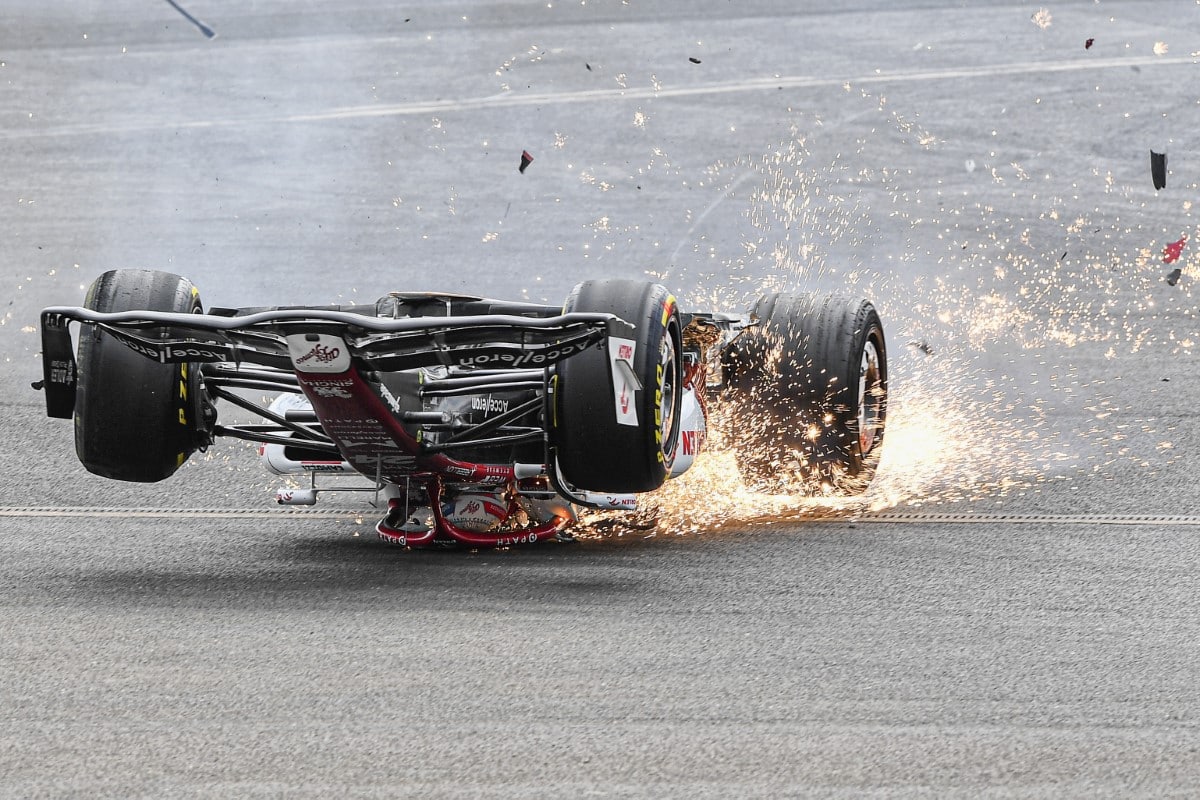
594 451
135 419
793 387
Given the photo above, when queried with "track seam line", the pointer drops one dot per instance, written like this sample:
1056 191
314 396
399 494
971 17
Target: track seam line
202 513
1032 519
880 518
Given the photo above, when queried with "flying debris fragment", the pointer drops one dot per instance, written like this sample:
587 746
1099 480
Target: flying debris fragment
1173 276
1158 169
206 30
694 60
1088 44
923 346
1173 251
526 160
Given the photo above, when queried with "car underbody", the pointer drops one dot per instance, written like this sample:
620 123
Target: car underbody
479 422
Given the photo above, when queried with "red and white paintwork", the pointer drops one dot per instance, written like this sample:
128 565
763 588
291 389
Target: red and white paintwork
372 441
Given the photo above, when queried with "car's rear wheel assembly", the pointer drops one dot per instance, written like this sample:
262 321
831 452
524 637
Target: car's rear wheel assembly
620 435
136 419
806 390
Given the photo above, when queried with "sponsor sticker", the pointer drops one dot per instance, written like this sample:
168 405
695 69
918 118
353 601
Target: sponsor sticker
62 372
320 352
331 390
322 466
528 356
167 353
520 538
489 405
625 382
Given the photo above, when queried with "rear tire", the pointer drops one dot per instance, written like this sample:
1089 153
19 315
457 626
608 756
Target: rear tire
809 389
135 419
595 451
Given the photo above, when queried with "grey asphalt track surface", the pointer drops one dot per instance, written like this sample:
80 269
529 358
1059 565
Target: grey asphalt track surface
1010 610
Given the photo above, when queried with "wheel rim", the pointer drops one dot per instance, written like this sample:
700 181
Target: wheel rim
870 398
667 428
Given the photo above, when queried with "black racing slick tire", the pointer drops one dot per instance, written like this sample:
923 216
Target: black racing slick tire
135 419
599 447
808 389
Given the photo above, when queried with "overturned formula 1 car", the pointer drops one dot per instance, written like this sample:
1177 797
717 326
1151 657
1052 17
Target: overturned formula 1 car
481 422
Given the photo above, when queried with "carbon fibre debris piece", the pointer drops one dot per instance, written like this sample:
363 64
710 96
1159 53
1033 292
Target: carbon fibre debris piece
208 32
1158 169
1174 250
1173 277
526 160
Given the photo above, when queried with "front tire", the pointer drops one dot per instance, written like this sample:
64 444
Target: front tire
595 450
135 419
809 389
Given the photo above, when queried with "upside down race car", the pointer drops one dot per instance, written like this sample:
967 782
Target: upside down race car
480 422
